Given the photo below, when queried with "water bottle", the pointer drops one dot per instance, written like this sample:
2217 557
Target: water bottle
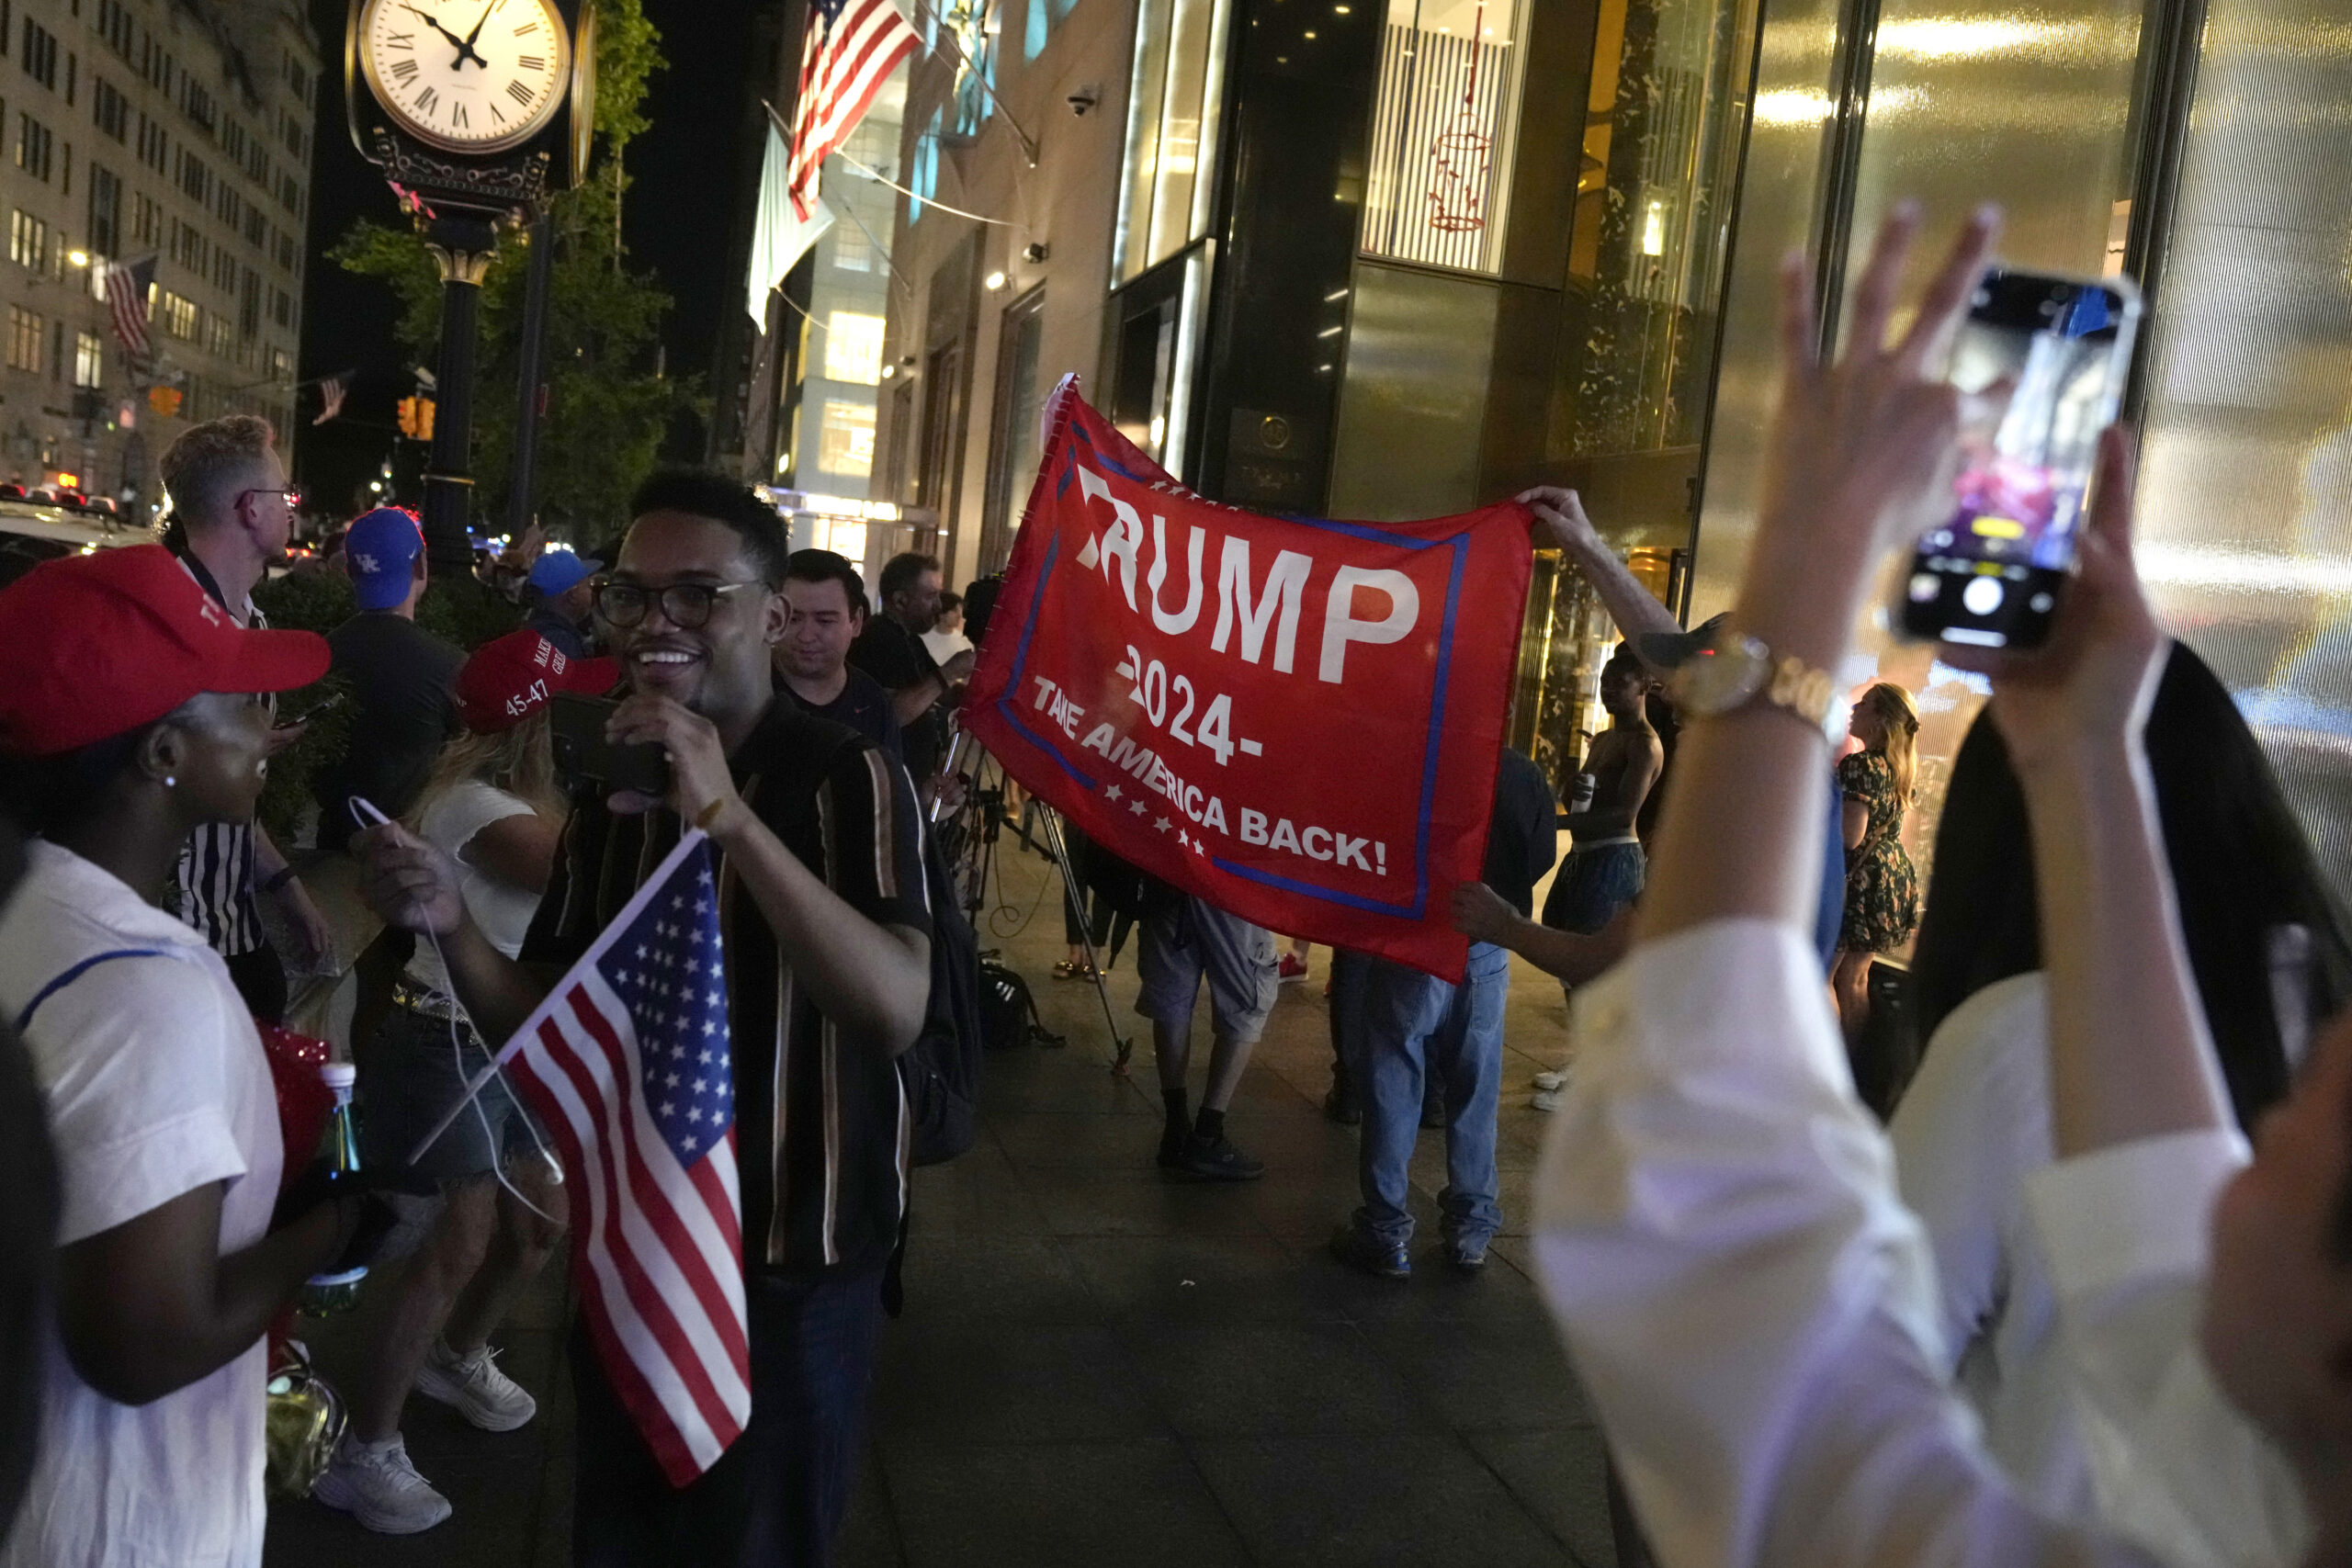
326 1293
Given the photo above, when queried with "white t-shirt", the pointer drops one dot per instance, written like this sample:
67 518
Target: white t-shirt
156 1086
503 910
944 645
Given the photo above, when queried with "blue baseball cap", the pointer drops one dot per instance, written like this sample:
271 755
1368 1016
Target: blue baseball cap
556 571
380 552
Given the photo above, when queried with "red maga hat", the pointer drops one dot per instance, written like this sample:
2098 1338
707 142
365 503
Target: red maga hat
105 643
507 681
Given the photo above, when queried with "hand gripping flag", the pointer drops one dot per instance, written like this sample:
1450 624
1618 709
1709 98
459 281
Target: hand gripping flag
628 1063
1296 720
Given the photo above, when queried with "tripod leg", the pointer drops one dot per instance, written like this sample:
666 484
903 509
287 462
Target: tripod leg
1052 825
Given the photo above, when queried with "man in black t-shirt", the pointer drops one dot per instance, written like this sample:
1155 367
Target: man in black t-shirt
828 936
890 649
827 599
401 678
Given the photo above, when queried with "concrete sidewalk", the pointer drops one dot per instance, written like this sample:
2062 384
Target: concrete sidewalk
1097 1365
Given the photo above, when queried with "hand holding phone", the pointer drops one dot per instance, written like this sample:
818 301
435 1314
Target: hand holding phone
588 760
2040 361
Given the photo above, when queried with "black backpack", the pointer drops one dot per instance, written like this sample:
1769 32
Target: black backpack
1008 1012
941 1070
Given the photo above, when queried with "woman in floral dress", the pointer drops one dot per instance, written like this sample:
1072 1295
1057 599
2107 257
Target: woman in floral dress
1882 888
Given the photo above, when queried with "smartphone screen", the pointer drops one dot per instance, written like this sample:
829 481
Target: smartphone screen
2041 362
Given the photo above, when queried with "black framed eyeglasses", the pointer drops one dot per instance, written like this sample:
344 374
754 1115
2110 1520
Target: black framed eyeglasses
293 498
685 605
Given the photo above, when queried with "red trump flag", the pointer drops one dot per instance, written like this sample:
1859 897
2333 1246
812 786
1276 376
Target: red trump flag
1297 720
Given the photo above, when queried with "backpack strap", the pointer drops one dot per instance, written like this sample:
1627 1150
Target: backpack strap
25 1017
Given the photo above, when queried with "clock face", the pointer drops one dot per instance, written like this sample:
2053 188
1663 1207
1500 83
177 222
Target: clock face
467 76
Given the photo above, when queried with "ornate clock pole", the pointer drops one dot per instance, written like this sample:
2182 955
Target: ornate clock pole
476 111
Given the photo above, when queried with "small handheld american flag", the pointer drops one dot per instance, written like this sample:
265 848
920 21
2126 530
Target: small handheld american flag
848 47
628 1063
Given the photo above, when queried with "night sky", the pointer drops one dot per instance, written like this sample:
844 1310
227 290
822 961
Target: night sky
673 224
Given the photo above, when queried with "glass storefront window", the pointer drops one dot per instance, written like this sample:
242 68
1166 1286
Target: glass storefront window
845 439
1167 183
1653 211
842 327
1444 129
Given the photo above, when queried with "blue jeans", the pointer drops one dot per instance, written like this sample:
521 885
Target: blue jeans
1414 1024
777 1494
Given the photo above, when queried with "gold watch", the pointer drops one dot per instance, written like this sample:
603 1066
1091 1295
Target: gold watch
1737 669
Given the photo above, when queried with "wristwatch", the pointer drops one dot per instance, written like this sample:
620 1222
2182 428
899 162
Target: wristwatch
1738 669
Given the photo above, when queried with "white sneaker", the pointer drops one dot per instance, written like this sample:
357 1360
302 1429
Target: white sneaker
475 1388
375 1483
1546 1099
1554 1080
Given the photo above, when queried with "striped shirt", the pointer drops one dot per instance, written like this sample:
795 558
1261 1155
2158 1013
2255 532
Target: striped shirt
214 887
823 1128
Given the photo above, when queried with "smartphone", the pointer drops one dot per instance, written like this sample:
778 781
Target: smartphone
2041 360
585 758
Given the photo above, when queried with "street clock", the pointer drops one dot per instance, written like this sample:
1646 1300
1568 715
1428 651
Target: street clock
467 76
486 102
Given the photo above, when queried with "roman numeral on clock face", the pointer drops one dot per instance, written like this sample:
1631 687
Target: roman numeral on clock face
458 116
403 71
427 99
527 30
531 62
519 92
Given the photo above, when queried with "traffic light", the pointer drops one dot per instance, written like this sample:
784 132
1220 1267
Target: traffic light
416 418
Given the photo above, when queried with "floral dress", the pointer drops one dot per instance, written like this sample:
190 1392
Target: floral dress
1882 888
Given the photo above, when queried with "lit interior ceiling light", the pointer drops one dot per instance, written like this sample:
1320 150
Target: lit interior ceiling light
993 282
1654 230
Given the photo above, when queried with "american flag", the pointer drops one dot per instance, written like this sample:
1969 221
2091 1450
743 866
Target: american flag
331 392
847 49
626 1062
127 284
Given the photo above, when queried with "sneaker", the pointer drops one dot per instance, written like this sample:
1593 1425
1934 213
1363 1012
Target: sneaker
1546 1099
1370 1254
1172 1146
1341 1106
1216 1159
375 1483
1468 1254
1291 968
475 1388
1558 1080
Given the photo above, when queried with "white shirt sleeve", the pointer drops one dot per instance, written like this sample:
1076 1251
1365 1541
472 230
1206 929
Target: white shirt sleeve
1751 1309
2176 1467
133 1060
1965 1135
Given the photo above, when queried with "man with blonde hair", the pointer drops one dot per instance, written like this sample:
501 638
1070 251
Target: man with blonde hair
232 513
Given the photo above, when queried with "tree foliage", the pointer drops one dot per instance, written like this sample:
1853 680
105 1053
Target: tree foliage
607 408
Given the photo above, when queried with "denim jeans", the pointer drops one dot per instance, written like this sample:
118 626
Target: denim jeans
1412 1026
776 1496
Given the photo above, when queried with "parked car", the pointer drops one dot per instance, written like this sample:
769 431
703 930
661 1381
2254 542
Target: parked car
32 532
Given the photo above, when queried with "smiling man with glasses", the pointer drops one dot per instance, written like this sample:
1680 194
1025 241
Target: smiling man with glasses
827 972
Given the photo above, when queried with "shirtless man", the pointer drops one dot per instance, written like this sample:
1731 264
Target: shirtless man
1603 871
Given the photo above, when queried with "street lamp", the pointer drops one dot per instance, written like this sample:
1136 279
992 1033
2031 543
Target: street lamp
79 258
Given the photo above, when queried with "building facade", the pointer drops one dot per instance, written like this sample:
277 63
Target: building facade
1393 258
176 129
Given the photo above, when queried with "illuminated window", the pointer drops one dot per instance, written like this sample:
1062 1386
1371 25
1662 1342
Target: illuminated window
27 241
1174 110
853 348
1043 17
845 440
89 360
1444 133
24 339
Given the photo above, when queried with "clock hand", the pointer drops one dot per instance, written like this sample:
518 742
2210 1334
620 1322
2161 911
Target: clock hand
468 47
463 48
